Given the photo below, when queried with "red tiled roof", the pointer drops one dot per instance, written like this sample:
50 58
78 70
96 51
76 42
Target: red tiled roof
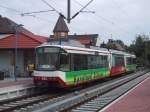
85 41
24 41
40 38
7 26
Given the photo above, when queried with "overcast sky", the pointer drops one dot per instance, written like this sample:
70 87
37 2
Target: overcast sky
123 19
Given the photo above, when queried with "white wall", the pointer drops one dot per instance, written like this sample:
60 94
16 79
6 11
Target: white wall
6 57
5 61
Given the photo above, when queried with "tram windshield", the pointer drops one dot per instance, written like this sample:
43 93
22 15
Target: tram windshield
47 58
52 58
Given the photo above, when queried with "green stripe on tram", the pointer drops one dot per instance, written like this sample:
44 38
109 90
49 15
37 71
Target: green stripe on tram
74 77
131 67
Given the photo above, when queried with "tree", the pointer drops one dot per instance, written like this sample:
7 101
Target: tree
103 45
120 42
141 48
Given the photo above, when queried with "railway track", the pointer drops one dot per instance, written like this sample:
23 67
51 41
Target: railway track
68 101
26 101
98 103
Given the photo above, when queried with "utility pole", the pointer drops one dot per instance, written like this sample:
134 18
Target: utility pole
111 36
69 11
17 28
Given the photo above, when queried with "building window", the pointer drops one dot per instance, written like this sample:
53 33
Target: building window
62 34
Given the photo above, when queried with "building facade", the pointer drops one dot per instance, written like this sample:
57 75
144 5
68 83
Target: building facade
25 51
26 44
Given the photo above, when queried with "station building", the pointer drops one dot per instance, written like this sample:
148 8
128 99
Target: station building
26 43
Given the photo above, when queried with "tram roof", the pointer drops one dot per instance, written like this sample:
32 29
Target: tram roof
130 55
81 49
72 46
117 52
71 49
122 53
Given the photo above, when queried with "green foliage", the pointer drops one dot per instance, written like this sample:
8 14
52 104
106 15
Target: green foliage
141 48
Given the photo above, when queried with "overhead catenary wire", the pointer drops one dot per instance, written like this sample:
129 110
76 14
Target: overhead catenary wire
87 11
21 12
48 21
123 12
25 14
54 2
106 20
103 18
11 9
35 12
29 14
83 7
99 20
53 8
100 17
14 10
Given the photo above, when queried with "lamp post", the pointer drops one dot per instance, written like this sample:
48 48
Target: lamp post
17 28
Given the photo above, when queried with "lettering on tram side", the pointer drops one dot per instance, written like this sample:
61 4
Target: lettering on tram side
85 77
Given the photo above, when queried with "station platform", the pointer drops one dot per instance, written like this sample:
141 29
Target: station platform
11 82
136 100
9 88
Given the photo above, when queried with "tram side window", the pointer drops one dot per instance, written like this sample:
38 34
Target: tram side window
80 62
84 62
92 62
104 61
119 61
131 60
64 62
134 60
95 62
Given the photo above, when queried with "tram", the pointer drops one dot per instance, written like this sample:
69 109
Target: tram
69 64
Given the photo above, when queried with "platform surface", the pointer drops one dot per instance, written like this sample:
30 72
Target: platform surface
11 82
136 100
